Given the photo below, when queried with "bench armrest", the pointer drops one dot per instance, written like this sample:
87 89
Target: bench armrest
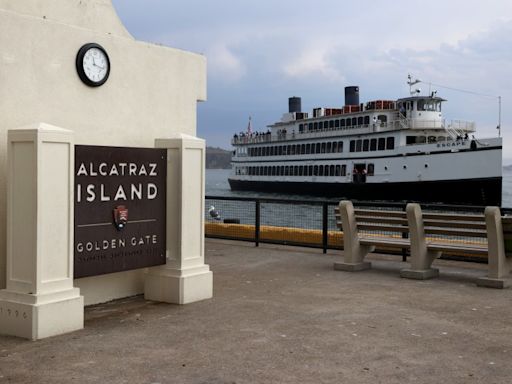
354 252
499 266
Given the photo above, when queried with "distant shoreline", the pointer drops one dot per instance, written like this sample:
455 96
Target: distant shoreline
218 158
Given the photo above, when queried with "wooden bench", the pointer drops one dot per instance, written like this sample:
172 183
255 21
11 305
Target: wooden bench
387 229
430 234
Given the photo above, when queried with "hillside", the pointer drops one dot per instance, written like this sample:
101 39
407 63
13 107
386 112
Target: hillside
217 158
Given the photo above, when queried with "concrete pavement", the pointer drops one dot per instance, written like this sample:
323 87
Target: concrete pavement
283 315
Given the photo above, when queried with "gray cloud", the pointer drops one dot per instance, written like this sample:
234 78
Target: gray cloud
260 53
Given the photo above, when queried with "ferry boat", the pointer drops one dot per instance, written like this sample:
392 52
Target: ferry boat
379 150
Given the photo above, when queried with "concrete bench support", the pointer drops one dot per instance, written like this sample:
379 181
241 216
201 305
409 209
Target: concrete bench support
499 265
354 252
421 258
40 300
185 278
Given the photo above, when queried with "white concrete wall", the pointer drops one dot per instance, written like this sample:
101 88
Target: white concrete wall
152 93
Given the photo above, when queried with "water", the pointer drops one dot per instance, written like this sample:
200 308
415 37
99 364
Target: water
276 214
217 185
507 190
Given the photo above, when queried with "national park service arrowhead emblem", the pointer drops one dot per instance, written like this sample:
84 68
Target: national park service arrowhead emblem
120 217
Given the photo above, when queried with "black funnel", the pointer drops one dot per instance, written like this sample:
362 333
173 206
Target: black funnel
352 95
294 104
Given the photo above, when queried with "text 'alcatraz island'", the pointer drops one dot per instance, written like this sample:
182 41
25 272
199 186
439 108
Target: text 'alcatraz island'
122 192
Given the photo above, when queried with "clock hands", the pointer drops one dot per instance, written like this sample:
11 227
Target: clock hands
96 65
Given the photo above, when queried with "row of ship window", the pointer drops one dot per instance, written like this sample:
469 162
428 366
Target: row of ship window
297 149
350 122
300 170
365 145
359 145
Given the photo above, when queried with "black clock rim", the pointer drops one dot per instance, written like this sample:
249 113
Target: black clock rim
80 69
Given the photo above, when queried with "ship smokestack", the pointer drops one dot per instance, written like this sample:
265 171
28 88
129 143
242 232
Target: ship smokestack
352 95
294 104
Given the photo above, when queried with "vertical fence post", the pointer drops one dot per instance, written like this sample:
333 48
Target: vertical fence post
257 224
325 226
405 235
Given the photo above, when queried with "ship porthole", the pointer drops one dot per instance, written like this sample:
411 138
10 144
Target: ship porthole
386 168
405 166
426 165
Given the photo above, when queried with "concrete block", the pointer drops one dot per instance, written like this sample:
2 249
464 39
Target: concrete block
489 282
179 286
424 274
36 317
352 267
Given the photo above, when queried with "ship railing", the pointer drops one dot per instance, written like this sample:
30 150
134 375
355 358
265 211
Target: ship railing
455 127
251 138
426 124
403 121
462 126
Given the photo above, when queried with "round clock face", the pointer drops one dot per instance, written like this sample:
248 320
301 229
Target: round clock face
93 65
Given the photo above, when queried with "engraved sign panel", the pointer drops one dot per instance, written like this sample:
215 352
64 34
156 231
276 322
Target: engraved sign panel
120 207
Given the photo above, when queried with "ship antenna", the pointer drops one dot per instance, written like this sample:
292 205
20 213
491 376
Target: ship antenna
412 82
499 116
249 126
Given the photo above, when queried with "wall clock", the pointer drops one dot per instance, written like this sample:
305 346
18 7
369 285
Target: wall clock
93 64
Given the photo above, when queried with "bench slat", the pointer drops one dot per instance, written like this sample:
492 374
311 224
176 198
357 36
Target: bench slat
402 243
385 220
380 213
475 250
382 228
455 232
506 219
453 217
454 224
370 219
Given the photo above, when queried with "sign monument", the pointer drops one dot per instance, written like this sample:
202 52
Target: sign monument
101 172
120 199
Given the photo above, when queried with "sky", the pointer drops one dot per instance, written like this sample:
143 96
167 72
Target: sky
260 53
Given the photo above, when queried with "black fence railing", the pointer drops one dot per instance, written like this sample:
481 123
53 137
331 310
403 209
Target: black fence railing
307 223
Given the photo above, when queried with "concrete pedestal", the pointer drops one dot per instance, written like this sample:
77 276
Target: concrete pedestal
419 274
179 286
185 278
498 283
352 267
40 300
38 316
500 264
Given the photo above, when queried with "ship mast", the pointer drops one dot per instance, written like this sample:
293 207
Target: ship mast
411 83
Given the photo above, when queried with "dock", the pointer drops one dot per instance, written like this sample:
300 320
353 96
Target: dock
283 315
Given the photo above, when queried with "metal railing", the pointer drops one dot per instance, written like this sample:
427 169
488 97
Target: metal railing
306 223
264 220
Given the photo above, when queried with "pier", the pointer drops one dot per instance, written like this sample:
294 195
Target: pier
283 315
